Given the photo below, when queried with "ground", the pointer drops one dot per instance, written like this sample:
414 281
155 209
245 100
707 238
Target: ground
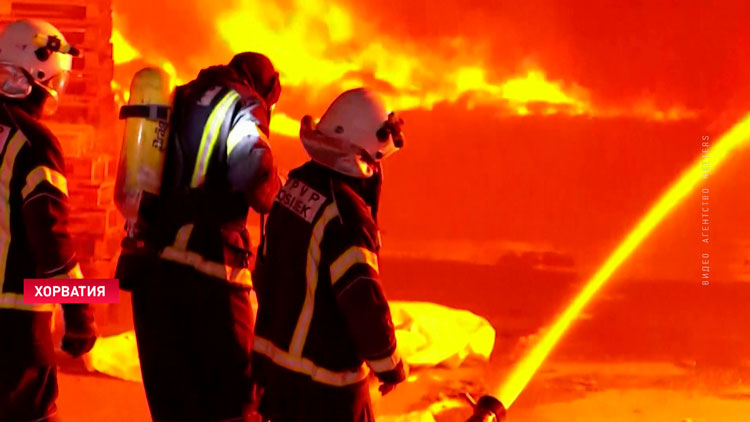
654 351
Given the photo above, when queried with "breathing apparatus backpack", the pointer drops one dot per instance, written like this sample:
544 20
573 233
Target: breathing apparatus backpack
144 145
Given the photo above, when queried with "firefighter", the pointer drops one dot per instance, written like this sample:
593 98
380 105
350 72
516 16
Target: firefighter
34 241
323 321
191 299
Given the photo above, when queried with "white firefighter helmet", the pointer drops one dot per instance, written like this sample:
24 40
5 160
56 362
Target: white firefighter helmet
354 134
33 51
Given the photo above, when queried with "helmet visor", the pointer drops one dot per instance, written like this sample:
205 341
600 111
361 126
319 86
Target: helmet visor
390 136
57 83
54 87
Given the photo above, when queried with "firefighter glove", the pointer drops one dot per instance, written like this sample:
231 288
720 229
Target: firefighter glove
80 329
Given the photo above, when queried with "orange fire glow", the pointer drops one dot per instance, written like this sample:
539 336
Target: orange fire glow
692 176
550 149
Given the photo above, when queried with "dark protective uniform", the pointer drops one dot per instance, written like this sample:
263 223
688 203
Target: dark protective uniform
34 243
322 316
191 303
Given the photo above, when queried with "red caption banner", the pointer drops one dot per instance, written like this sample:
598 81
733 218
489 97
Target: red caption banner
60 290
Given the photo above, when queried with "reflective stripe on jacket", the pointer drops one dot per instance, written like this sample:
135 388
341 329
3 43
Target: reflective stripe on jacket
34 238
218 159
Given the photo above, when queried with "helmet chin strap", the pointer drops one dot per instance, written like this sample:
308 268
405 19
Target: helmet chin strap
371 190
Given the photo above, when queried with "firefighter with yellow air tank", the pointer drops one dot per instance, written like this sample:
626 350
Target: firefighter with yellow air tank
35 61
193 164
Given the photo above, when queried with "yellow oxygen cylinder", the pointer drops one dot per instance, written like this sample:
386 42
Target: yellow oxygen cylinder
144 143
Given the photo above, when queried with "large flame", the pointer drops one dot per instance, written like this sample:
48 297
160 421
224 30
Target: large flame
320 49
522 92
281 124
122 50
692 176
314 45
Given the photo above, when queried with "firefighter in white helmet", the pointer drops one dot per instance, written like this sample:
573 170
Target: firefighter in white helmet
35 61
323 321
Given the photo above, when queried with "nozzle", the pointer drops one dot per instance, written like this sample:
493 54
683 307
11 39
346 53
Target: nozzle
488 409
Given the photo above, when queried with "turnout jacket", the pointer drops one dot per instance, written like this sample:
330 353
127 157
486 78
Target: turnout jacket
218 165
321 307
34 238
